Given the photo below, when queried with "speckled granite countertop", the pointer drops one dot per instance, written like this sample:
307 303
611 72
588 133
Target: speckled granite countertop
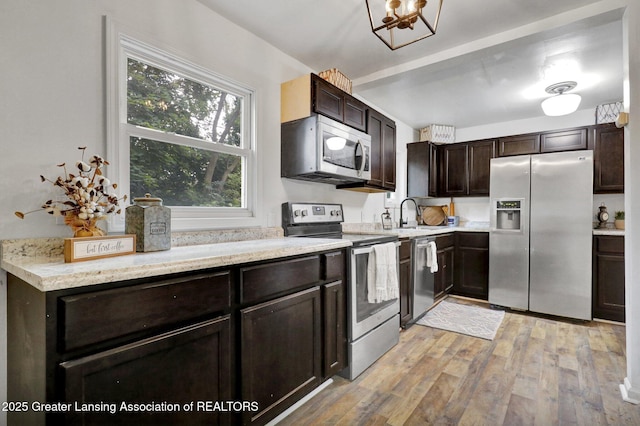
420 231
607 231
48 272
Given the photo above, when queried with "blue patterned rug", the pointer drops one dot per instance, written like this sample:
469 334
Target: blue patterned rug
476 321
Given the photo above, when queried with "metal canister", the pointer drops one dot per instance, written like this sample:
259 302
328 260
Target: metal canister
150 221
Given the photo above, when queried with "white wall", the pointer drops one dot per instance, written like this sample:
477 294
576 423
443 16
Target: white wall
52 88
631 48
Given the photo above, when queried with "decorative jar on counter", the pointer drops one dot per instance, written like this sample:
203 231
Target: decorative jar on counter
150 221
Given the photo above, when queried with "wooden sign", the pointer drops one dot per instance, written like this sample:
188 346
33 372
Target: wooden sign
90 248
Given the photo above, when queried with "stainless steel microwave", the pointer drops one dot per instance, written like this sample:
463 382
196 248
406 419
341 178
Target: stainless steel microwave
320 149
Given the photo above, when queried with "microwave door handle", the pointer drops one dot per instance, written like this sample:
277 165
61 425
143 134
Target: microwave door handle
362 162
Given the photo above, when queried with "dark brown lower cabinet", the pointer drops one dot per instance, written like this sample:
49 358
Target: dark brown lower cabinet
335 328
281 352
472 265
443 280
263 334
192 364
406 283
608 278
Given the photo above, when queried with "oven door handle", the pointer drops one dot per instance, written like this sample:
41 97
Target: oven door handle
369 249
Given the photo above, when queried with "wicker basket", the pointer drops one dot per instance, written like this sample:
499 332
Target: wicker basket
336 78
438 133
607 113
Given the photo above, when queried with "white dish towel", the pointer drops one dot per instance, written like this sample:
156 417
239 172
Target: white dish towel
432 256
382 273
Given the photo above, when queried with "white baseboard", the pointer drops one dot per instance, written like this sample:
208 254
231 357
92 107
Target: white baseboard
628 393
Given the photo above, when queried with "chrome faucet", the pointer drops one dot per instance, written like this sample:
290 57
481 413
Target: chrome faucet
402 222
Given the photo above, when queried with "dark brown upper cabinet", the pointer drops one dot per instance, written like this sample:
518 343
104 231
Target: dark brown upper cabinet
454 175
465 168
566 140
519 145
311 94
383 142
422 169
480 155
608 159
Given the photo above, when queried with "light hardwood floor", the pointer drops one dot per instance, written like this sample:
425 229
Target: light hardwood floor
537 371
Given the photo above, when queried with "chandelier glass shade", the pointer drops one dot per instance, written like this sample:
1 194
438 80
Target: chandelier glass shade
562 103
401 22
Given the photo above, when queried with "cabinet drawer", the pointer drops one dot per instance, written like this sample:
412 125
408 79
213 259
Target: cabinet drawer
473 239
609 244
102 315
405 249
443 241
333 266
263 281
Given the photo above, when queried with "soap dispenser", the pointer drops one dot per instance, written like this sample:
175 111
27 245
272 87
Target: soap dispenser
387 224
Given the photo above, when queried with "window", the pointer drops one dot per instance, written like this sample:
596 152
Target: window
185 135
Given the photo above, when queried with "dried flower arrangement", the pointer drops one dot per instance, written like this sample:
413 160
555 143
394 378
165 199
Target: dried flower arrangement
89 197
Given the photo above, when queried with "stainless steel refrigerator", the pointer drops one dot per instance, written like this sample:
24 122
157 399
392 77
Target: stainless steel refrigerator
541 233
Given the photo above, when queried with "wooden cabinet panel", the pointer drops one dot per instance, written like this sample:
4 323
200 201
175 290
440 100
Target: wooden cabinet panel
608 278
406 283
434 174
389 155
327 99
444 278
183 366
355 113
454 171
334 265
383 150
418 169
280 352
334 322
375 130
275 278
472 264
94 317
518 145
608 159
480 155
567 140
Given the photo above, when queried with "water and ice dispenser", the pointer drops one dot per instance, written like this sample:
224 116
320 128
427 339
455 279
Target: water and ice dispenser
508 214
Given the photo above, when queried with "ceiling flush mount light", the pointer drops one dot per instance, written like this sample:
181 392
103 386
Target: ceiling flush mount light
563 103
402 22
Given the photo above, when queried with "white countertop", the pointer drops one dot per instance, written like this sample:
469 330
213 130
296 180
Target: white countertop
607 231
420 231
52 273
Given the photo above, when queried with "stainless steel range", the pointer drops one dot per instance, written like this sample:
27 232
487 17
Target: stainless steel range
373 326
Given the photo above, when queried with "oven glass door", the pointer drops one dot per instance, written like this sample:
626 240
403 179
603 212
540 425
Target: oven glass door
364 315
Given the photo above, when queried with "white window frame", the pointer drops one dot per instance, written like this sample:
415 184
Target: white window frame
121 47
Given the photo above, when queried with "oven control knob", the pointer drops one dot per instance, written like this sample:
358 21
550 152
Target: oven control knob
304 213
296 213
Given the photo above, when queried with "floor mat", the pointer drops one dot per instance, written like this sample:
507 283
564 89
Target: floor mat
476 321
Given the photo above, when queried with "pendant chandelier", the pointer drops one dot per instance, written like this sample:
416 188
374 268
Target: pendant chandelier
402 22
562 103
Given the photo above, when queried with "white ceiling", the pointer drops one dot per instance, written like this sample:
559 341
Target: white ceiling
489 61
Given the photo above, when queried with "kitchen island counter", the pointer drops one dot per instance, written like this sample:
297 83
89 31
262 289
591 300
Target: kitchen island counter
49 273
